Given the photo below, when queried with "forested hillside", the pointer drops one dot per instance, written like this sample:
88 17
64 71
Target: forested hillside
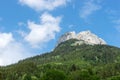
68 62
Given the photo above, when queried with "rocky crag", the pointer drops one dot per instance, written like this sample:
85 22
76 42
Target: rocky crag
85 37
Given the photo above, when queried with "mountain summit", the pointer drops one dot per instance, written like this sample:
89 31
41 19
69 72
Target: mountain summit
85 36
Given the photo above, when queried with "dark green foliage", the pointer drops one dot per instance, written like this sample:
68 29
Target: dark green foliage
73 67
84 74
54 75
68 62
115 78
26 77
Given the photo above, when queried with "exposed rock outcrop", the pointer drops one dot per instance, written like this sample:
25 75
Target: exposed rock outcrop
86 36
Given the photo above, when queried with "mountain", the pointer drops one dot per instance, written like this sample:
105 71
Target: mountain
86 36
68 62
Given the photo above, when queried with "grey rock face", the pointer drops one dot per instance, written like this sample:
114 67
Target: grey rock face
67 36
86 36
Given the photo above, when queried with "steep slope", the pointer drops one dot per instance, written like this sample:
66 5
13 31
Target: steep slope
68 61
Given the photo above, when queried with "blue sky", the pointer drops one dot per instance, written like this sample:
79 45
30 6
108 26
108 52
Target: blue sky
32 27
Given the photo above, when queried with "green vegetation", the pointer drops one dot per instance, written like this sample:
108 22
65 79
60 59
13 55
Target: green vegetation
68 62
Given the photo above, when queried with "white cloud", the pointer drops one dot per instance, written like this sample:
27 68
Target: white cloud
5 39
21 24
90 6
44 31
40 5
10 50
21 33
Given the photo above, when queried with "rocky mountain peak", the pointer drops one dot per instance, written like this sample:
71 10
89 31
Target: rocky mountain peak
86 36
67 36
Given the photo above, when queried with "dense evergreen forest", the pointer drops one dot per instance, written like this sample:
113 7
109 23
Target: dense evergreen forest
68 62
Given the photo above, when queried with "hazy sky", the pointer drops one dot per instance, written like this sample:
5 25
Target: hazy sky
32 27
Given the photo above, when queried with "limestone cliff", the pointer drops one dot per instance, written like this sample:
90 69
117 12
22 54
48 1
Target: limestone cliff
86 36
